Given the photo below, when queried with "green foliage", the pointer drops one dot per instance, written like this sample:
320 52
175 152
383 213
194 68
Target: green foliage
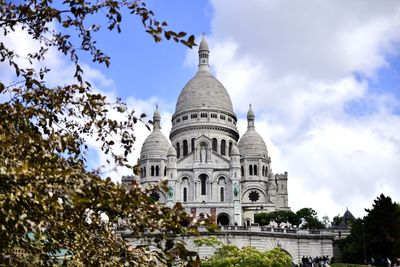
337 220
304 218
309 219
211 241
381 228
229 255
277 216
48 199
352 246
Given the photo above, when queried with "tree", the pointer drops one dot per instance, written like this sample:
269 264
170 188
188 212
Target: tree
337 220
49 200
352 246
277 216
305 218
229 255
309 219
325 221
380 230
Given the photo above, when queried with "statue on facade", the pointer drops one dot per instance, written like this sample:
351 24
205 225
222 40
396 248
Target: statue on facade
236 190
170 192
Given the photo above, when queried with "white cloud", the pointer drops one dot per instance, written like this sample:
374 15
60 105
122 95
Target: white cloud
62 72
295 61
141 132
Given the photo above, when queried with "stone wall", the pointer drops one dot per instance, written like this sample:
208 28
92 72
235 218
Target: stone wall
296 242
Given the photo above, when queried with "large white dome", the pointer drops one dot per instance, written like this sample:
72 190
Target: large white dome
204 91
203 104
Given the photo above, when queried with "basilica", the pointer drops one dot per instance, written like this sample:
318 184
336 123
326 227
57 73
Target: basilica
210 168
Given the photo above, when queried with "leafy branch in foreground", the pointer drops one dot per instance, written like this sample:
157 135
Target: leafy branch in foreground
49 201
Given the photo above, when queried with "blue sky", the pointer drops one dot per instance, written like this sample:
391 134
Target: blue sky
323 79
155 68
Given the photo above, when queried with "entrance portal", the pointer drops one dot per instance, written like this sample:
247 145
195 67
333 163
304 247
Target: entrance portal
223 219
248 222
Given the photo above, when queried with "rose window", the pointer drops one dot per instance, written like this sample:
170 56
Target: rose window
254 196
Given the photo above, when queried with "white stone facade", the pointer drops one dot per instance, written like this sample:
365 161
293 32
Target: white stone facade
209 169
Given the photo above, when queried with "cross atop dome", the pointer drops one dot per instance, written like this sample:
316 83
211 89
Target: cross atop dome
204 53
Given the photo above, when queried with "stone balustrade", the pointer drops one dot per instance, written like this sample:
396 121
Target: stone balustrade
292 231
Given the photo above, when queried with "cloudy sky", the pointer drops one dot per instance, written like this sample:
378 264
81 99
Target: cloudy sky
323 78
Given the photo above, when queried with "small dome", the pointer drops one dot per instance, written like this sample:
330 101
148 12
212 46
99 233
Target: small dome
171 151
203 90
156 144
252 144
234 151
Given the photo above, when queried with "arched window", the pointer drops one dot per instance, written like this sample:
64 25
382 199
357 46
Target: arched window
230 148
178 150
222 194
185 147
214 144
157 170
255 170
185 194
203 179
250 169
144 172
152 170
263 171
223 147
165 171
192 148
242 169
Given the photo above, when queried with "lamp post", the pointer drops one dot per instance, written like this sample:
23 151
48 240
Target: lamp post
364 250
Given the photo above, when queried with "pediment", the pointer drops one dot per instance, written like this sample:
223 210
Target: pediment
189 161
220 159
186 161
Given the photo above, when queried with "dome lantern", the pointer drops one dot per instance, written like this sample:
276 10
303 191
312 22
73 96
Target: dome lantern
204 54
250 118
156 119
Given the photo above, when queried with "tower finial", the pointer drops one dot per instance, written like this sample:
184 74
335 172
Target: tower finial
156 119
250 118
204 54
